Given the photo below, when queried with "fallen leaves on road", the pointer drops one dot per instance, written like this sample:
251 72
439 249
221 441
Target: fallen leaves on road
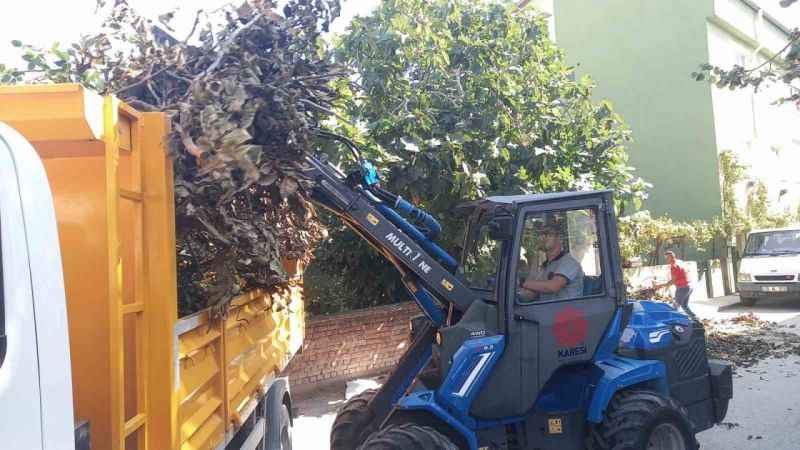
746 339
649 294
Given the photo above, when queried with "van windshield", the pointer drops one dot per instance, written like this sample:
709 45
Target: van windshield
773 243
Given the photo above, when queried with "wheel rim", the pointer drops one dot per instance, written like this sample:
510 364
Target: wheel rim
666 436
286 438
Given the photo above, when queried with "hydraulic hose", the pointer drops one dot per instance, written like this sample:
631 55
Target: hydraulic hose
431 227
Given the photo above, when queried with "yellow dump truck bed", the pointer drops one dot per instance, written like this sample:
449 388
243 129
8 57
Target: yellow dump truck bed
144 378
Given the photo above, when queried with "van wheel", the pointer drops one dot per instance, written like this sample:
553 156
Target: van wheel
747 301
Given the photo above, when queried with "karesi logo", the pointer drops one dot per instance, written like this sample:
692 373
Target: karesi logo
570 327
570 352
570 330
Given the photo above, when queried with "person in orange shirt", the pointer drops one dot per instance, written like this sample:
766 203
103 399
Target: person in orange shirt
680 279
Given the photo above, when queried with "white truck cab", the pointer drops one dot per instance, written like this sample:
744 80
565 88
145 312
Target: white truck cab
36 410
770 265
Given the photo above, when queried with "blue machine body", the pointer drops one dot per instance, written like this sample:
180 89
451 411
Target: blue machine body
570 389
418 236
472 365
370 173
651 325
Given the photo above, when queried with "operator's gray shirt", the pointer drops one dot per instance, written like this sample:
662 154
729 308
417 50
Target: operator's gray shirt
566 266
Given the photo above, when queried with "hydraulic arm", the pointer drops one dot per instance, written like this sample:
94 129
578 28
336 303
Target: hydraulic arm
427 271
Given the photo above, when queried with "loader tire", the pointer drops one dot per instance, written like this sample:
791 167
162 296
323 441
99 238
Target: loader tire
639 419
353 422
408 436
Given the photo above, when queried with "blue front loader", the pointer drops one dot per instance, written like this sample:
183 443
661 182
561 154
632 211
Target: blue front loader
492 366
649 329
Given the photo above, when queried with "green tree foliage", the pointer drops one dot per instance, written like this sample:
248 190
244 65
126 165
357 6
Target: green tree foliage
646 237
733 221
736 221
459 99
783 67
244 93
758 209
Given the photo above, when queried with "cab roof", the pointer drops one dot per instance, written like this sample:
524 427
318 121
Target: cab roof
489 204
535 198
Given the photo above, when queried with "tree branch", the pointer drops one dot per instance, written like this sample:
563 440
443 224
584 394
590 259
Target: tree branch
188 142
194 26
179 77
315 77
228 42
325 110
213 230
153 93
143 80
776 55
142 106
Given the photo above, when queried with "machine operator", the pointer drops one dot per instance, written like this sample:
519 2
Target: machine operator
559 277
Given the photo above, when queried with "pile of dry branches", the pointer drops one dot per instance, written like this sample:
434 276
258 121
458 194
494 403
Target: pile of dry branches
244 92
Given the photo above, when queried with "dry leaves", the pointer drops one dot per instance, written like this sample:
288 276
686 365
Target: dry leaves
745 340
243 102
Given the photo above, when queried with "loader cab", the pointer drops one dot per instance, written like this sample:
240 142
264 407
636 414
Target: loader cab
508 237
546 270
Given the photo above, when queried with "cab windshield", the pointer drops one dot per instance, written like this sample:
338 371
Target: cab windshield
773 243
481 258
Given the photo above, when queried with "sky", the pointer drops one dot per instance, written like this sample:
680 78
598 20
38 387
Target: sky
42 22
788 16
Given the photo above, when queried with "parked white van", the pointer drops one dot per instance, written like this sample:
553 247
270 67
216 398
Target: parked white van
770 265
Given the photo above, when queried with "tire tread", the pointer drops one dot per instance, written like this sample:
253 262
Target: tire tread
408 436
630 412
353 422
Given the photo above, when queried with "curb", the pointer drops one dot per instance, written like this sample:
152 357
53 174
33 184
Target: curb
719 302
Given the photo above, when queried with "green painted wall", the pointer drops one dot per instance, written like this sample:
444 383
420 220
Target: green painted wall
641 54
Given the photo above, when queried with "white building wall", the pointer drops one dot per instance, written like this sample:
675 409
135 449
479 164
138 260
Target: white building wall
765 136
737 14
771 37
548 7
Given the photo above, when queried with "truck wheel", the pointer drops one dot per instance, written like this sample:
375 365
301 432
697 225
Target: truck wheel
638 420
408 436
353 422
747 301
279 432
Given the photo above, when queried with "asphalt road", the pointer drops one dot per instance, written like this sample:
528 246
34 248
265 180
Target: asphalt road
763 415
765 410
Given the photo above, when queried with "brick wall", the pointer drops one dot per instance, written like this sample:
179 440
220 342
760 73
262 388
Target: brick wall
352 344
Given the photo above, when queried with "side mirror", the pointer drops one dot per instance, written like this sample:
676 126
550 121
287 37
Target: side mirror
501 228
